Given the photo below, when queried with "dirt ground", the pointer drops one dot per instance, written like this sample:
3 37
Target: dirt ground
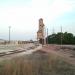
67 54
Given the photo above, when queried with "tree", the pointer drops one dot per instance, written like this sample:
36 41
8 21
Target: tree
67 38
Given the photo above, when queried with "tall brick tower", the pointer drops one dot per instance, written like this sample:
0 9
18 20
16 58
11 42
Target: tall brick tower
40 33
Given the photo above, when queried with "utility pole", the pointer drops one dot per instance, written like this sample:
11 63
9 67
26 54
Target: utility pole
44 35
61 36
47 36
9 33
53 31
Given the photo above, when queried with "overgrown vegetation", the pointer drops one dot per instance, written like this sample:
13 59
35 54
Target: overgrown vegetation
67 38
39 63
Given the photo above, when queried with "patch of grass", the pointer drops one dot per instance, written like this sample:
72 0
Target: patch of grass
38 63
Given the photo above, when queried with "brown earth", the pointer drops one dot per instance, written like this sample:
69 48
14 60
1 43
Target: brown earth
66 54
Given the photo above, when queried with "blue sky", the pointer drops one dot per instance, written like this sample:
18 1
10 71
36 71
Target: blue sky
23 16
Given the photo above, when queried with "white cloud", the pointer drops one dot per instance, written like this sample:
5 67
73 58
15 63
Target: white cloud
41 8
58 8
24 19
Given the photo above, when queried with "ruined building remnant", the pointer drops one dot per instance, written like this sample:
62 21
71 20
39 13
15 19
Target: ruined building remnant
40 33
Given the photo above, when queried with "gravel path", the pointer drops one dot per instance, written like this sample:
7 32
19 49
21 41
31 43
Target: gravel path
20 54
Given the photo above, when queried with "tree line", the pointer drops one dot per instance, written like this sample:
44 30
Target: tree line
58 38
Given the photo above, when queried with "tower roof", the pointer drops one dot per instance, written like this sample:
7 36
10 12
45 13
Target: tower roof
40 19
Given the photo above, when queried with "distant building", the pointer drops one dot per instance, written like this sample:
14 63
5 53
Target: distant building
2 41
14 42
40 33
